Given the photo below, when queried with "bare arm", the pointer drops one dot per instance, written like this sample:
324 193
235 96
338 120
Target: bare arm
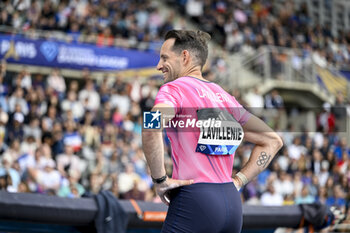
152 144
267 144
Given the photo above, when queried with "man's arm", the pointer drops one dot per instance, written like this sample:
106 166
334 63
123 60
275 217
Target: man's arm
267 144
152 144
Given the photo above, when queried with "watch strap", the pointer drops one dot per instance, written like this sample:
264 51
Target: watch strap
159 180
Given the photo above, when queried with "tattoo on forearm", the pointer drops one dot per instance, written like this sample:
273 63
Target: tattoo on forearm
263 159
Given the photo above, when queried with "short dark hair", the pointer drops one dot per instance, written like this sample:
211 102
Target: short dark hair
196 42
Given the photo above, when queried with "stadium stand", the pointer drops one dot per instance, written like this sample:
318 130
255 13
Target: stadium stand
240 25
68 137
104 23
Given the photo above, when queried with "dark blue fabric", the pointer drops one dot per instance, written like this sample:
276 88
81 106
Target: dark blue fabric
204 207
111 217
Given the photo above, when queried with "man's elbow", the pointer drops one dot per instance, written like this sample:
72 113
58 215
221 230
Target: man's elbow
277 142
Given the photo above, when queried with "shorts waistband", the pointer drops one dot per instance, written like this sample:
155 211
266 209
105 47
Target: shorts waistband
208 185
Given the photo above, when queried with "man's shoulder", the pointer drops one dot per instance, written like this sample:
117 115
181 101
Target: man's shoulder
173 85
181 83
175 82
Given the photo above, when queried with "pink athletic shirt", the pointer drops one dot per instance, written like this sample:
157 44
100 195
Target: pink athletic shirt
186 94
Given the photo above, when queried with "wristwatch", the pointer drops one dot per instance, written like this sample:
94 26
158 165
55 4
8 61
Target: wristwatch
159 180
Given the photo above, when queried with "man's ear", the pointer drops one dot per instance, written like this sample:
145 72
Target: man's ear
185 56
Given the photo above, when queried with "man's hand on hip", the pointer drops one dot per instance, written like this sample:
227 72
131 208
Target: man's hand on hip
164 188
237 182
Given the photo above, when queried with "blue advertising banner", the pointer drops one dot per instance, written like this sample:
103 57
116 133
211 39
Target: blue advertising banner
346 74
72 55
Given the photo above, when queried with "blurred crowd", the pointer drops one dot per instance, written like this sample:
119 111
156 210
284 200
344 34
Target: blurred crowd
246 25
103 22
314 163
239 25
73 138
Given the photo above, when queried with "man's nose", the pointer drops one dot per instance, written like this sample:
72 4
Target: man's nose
159 65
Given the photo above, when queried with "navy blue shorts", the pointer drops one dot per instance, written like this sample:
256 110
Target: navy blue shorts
204 207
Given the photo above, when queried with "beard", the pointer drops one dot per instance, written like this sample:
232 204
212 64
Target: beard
169 76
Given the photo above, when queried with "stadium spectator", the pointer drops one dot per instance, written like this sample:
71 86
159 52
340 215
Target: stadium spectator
316 161
271 197
29 145
90 131
72 137
296 149
305 197
49 119
24 79
339 111
283 185
128 179
57 140
72 188
135 192
314 186
100 165
337 198
72 103
47 179
115 165
326 120
255 101
114 187
15 130
33 129
105 38
274 100
89 97
5 182
17 103
298 183
240 26
57 83
342 148
95 183
11 178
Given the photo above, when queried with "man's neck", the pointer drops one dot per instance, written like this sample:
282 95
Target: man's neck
193 72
